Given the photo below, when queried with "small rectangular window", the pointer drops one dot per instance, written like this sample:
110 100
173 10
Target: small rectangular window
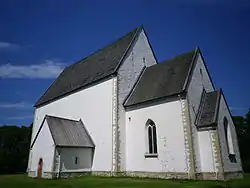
76 160
201 73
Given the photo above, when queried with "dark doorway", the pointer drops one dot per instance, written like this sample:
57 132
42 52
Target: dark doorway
40 168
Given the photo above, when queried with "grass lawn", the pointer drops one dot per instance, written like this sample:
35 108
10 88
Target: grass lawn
22 181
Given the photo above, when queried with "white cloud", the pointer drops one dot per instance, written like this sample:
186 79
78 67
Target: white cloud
8 46
16 105
48 69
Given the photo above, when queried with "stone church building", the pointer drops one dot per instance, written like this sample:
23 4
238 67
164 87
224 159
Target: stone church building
120 112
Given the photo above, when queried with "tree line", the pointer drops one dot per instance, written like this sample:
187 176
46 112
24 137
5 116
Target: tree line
15 143
14 149
242 125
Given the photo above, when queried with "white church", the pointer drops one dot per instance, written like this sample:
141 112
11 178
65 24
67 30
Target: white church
118 112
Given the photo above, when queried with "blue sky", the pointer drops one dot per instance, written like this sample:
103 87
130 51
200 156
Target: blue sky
39 38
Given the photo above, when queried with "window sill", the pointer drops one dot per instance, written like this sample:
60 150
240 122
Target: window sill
151 155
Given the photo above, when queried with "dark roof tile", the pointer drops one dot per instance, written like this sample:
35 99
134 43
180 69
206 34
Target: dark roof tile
208 109
95 67
69 133
161 80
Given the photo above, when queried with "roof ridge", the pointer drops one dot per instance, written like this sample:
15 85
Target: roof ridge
179 55
57 117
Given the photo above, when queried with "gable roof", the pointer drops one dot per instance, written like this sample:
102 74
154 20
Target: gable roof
91 69
208 109
67 133
161 80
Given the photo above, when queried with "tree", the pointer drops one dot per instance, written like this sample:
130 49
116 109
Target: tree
14 148
242 125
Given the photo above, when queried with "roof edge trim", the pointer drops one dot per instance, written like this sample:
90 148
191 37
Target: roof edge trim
182 93
75 90
217 105
134 86
139 29
190 71
38 132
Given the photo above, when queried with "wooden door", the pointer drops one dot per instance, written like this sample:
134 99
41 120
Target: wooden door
40 168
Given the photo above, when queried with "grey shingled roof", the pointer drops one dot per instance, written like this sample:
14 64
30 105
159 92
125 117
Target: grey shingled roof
97 66
162 80
69 133
209 109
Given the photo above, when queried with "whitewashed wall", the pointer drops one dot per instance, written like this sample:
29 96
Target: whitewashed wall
224 112
206 152
195 88
170 139
43 148
67 159
94 106
140 55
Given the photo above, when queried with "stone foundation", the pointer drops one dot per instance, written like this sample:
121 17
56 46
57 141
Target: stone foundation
48 175
233 175
32 174
158 175
137 174
73 174
207 176
102 173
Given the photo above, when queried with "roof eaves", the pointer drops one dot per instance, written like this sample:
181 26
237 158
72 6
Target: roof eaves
63 118
182 93
74 90
37 102
70 146
210 126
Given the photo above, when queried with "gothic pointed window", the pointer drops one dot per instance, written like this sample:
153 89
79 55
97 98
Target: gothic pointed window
229 141
151 137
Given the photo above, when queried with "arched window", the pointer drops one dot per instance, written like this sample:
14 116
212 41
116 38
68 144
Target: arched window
229 140
151 137
225 123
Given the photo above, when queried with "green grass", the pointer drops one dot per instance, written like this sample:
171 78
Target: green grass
22 181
